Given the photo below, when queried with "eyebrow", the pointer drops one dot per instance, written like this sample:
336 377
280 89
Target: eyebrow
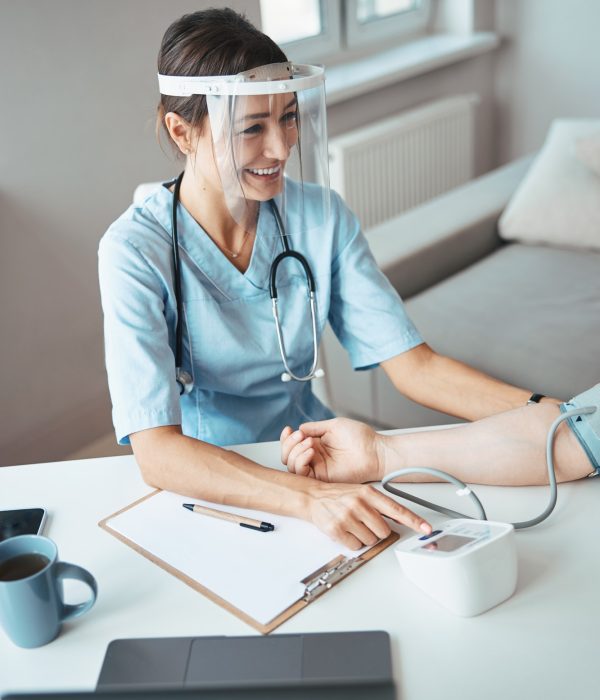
264 115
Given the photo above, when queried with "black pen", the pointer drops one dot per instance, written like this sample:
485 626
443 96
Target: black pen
231 517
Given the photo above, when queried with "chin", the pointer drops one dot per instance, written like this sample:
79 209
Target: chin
264 191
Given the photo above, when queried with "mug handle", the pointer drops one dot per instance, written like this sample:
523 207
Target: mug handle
66 570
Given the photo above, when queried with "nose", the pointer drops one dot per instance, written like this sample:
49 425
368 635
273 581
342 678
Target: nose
276 144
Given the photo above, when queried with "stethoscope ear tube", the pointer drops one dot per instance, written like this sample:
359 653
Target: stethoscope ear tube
183 378
310 280
314 372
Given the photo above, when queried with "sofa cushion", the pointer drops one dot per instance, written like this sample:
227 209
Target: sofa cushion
558 202
528 315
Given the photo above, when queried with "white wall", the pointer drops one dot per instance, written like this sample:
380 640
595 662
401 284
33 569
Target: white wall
548 67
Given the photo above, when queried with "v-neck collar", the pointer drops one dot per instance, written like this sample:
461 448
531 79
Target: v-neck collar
207 256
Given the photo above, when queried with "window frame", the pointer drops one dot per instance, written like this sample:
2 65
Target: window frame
343 36
325 45
401 25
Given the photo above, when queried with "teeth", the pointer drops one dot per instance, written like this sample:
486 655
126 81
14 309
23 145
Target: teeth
264 171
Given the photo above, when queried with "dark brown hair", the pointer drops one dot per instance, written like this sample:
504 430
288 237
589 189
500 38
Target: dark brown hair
209 42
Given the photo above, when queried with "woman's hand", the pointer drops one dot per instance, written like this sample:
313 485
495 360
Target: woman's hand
353 514
340 449
343 450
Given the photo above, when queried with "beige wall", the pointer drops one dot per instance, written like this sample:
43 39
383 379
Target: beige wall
77 95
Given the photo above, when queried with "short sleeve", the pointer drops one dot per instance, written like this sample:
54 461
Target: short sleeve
366 313
139 361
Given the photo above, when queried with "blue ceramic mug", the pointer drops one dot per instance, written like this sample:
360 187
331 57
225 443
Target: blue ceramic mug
31 590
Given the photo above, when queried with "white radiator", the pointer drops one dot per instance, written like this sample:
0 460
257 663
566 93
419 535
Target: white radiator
388 167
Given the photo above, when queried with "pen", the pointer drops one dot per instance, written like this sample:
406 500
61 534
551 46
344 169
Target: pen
231 517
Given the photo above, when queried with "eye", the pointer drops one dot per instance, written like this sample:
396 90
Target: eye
290 118
252 130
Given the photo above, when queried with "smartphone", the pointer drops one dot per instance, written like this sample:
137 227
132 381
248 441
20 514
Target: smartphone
25 521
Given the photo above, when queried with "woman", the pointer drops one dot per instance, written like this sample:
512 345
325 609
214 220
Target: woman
184 379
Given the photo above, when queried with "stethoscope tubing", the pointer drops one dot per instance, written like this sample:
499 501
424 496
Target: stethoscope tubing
177 267
183 377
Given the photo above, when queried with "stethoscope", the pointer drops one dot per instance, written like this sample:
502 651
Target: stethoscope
182 376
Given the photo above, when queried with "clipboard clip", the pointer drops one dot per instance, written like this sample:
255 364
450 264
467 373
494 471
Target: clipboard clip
328 575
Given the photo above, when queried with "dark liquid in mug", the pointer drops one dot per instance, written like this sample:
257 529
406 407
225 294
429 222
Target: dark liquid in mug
22 566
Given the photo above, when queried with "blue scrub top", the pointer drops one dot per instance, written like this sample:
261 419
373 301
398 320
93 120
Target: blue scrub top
230 342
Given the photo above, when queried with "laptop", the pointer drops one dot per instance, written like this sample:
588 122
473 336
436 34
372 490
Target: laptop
323 666
194 662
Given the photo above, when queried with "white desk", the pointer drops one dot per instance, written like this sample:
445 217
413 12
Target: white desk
542 643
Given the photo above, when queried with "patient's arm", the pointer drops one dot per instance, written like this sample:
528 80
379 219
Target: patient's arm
507 448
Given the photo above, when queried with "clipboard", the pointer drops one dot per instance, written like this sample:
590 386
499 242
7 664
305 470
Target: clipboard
297 537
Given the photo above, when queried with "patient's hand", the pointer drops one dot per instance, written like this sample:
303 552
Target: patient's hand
340 450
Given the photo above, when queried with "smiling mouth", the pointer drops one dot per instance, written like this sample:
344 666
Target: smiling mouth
265 173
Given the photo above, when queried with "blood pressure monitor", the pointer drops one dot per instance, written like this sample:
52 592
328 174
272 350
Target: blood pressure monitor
468 566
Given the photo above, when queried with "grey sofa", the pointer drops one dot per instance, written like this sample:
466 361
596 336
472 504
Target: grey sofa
529 315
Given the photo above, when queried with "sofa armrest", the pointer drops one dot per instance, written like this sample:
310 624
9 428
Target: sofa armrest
447 234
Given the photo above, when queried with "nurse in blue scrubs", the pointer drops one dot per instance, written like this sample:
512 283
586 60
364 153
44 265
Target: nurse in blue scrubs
251 129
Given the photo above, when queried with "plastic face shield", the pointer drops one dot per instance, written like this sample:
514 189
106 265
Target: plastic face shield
269 134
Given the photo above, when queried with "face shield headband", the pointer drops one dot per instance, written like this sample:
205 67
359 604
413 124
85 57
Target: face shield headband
272 79
269 140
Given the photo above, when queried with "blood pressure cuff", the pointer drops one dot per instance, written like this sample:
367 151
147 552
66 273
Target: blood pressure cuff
587 427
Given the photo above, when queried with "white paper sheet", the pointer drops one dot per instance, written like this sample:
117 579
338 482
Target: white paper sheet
259 573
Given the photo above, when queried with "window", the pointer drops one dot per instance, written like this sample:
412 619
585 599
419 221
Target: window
369 21
306 29
281 23
314 29
370 10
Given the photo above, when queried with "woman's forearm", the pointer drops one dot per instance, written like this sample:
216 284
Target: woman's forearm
450 386
349 513
505 449
174 462
463 391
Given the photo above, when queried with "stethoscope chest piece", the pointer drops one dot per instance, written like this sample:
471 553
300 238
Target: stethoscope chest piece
185 381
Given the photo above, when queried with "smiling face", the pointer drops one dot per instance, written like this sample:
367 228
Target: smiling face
238 155
263 132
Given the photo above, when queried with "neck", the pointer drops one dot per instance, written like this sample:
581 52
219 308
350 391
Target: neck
207 206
